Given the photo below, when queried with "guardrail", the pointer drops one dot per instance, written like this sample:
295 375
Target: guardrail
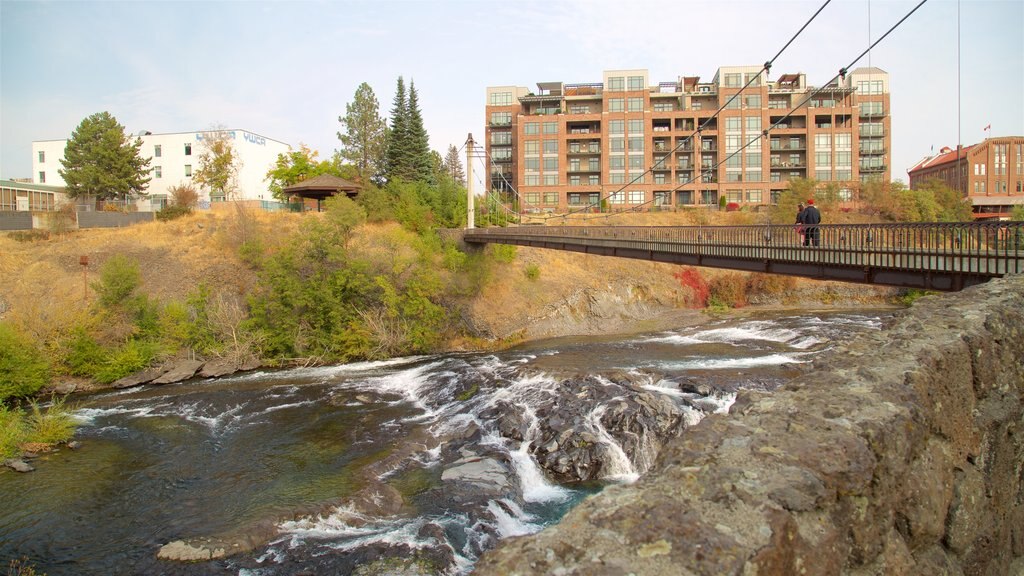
941 256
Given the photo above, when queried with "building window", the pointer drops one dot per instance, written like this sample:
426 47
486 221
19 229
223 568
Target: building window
615 105
732 80
595 165
872 87
531 180
551 127
158 172
42 156
822 175
753 123
636 127
188 149
550 164
635 104
636 161
188 170
497 119
42 177
822 141
617 163
551 179
551 197
999 168
579 109
616 83
594 180
617 197
551 146
752 101
531 165
663 107
754 196
496 154
617 178
733 124
617 144
979 169
531 147
531 128
532 197
501 99
502 137
574 180
157 151
823 159
636 83
616 127
636 144
734 196
636 196
844 141
637 177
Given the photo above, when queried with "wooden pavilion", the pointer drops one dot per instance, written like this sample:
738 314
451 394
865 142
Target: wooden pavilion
321 187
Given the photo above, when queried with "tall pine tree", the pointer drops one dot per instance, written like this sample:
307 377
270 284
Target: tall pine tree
419 142
453 166
398 157
363 139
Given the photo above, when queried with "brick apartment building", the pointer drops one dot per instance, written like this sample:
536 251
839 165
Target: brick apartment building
627 144
990 174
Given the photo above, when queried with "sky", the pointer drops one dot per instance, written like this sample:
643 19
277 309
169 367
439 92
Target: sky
286 70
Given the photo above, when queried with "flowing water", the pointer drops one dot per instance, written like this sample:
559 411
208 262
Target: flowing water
273 462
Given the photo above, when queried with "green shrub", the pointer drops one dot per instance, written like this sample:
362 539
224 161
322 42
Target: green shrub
911 295
532 271
173 212
119 277
84 354
132 357
23 367
505 253
728 289
12 431
52 426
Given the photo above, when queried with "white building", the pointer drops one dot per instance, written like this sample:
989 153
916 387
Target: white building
173 159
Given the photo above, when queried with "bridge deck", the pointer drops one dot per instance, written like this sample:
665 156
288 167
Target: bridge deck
937 256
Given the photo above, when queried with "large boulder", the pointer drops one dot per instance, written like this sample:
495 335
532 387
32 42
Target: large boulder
179 371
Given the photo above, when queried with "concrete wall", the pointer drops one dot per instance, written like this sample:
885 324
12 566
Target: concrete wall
15 220
112 219
902 453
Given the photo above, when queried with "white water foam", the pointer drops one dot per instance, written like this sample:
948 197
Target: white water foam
727 363
617 466
516 523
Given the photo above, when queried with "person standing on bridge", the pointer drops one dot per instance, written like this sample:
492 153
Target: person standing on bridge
810 218
799 224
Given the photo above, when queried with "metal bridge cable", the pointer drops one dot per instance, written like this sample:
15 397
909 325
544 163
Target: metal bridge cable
842 73
766 68
490 157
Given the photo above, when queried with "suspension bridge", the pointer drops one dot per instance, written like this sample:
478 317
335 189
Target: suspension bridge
933 256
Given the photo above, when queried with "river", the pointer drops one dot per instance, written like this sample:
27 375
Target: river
324 470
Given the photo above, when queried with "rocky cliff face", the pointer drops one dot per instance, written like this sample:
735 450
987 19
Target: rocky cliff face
901 454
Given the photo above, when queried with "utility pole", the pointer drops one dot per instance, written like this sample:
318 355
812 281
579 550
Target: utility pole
470 224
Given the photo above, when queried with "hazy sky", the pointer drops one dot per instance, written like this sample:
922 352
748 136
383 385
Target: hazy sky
286 70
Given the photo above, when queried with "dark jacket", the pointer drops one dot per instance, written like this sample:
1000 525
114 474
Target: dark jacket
810 215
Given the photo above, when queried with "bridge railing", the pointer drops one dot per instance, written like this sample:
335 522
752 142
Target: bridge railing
981 248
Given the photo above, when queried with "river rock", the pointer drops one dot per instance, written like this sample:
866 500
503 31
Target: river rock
217 368
179 371
181 551
18 465
139 378
487 475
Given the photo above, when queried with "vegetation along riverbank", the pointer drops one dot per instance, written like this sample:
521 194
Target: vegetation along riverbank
365 279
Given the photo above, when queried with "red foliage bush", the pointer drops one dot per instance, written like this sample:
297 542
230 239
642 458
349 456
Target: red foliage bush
732 207
692 279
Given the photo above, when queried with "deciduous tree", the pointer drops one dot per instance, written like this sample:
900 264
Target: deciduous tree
102 161
299 165
219 165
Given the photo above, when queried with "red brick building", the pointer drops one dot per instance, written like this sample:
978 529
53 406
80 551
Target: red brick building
990 174
628 144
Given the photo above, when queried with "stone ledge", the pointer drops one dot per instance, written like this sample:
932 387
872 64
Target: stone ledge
899 454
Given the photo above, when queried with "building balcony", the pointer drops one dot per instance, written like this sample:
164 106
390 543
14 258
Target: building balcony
873 152
583 169
873 169
789 165
872 113
787 146
500 123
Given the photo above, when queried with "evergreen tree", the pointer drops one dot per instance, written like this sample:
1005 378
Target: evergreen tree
101 160
419 142
363 140
453 166
397 157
